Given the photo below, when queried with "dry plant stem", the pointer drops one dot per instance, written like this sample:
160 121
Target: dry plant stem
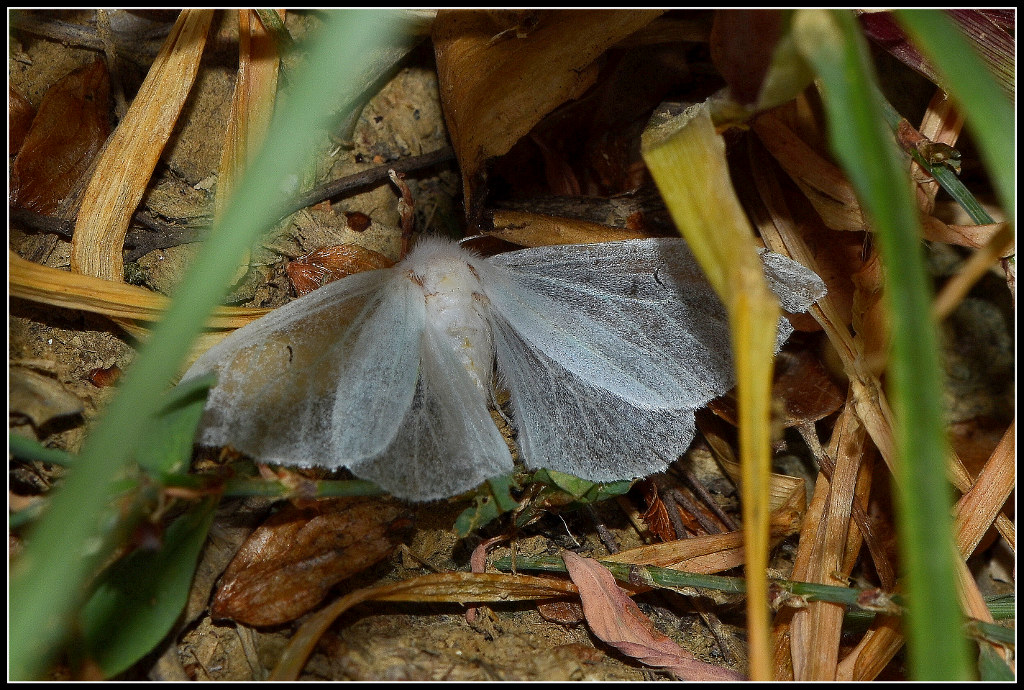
442 587
941 123
252 103
884 569
881 642
406 210
251 106
816 630
976 509
167 235
38 283
695 485
957 287
127 163
830 192
706 523
703 204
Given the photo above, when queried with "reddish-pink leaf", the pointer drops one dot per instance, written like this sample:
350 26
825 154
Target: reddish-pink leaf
985 29
615 619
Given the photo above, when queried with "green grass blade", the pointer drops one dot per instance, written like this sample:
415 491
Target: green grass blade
48 579
832 42
989 113
137 599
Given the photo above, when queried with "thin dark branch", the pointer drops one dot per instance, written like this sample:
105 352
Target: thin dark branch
158 234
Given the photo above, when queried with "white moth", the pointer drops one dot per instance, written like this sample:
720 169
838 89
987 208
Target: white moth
606 350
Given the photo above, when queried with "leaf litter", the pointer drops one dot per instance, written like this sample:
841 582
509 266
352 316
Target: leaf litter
421 641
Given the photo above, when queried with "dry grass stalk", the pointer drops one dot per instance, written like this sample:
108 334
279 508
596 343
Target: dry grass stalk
686 158
32 281
711 553
536 229
976 510
816 630
252 105
883 640
831 194
941 123
457 588
124 169
957 287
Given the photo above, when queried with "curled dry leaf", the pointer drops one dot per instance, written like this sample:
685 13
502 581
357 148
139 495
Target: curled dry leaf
615 619
289 563
495 91
70 128
327 264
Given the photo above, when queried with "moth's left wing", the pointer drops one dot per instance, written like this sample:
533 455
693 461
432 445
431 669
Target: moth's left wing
568 424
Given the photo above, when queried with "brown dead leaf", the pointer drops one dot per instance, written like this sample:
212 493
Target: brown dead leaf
289 563
19 118
802 390
615 619
656 516
742 45
495 91
327 264
70 128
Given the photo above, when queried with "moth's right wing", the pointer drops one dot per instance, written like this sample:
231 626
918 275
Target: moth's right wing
324 380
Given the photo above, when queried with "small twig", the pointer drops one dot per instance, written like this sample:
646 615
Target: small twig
166 235
405 209
674 517
703 520
371 177
702 492
607 538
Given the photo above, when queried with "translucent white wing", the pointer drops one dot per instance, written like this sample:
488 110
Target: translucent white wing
796 286
325 380
567 424
447 443
636 318
608 348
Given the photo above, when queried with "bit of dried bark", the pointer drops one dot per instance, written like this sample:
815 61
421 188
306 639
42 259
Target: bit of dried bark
289 564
